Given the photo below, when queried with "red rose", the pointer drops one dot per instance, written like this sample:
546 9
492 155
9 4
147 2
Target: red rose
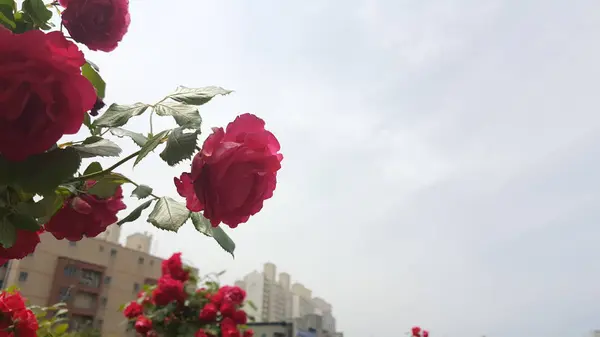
416 331
99 24
235 294
133 310
174 267
85 215
168 290
239 316
233 174
228 328
16 317
425 333
43 94
227 309
24 245
200 333
216 299
249 333
143 325
208 313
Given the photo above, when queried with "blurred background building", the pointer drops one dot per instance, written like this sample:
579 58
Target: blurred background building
285 308
94 277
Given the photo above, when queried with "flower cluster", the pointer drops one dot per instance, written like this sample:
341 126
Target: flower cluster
176 307
418 332
15 318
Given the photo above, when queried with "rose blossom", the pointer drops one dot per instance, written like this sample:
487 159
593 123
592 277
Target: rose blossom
416 331
85 215
42 93
143 324
168 290
14 313
233 174
208 313
133 309
99 24
174 267
249 333
24 245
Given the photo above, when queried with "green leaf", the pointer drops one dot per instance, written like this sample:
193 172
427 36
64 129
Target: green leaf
38 13
204 226
102 147
150 145
92 75
197 96
141 191
107 185
61 329
43 209
7 21
118 115
8 234
180 146
93 167
21 221
135 214
138 138
186 116
42 173
168 214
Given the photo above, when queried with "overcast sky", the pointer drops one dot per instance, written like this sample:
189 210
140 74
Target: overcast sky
442 158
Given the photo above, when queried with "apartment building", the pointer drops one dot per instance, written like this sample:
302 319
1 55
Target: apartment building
277 300
93 276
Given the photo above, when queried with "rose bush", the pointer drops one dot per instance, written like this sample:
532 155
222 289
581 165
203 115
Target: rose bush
180 308
48 89
418 332
15 318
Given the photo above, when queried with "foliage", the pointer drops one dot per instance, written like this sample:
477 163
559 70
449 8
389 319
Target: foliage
38 182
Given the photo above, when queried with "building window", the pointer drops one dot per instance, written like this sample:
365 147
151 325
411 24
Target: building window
72 243
101 248
107 279
99 324
104 300
63 294
151 262
90 278
23 276
141 260
136 287
70 270
113 252
1 284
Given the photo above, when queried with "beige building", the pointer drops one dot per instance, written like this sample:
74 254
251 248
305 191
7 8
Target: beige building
93 276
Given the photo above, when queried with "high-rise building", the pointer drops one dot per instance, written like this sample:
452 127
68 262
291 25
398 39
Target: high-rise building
277 300
94 277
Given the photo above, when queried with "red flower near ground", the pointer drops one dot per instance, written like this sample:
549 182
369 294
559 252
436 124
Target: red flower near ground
235 294
425 333
85 215
168 290
239 316
416 331
143 324
24 245
174 267
99 24
200 333
133 309
43 94
234 173
208 313
16 317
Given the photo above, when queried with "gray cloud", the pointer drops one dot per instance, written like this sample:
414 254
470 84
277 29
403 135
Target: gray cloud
440 156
